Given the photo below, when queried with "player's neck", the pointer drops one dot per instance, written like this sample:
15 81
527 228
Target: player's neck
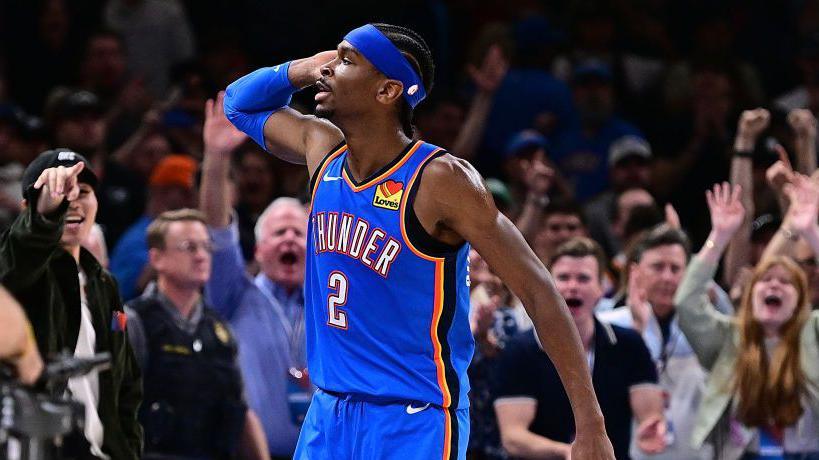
373 145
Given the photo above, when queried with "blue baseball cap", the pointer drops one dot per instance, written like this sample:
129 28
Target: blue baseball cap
593 69
523 140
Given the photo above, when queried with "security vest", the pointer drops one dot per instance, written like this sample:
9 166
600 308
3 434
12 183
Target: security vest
192 404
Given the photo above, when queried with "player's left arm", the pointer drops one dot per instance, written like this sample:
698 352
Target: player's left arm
453 205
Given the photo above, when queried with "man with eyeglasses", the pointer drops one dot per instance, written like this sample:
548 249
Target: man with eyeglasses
193 403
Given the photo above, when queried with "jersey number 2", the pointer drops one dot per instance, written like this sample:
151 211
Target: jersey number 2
337 317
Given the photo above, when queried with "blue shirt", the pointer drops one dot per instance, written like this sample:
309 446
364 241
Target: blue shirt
523 95
129 258
292 307
261 332
583 159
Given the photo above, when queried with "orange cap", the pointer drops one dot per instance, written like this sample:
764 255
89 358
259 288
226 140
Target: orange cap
174 170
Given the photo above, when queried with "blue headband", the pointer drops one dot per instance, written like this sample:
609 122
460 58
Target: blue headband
379 50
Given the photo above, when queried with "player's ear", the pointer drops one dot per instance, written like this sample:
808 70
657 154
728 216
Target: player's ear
390 91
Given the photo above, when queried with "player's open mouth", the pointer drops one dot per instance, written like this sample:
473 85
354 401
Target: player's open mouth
574 302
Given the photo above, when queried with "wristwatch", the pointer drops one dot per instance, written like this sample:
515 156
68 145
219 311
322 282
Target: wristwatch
542 201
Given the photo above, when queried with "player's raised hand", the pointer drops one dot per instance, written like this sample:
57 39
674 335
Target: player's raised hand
492 71
57 184
305 72
219 134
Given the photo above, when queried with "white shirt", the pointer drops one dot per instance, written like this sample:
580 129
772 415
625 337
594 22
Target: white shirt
86 388
680 375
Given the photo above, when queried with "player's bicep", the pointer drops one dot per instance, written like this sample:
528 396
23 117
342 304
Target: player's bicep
298 138
500 244
464 205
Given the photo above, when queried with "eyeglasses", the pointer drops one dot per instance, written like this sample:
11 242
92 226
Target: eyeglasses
192 247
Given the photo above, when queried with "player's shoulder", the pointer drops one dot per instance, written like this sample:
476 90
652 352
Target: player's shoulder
447 171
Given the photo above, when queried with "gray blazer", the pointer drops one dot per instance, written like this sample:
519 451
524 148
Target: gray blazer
714 338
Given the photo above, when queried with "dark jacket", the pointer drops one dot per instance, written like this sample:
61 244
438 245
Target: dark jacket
193 403
44 279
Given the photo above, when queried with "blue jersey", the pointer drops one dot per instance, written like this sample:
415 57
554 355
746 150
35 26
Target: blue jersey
386 304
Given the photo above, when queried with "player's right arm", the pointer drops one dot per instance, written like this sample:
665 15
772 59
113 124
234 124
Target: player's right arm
257 105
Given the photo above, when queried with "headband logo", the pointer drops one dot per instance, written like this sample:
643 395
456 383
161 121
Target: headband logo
412 90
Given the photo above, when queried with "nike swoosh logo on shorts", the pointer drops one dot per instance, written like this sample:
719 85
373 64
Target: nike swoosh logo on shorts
327 178
414 410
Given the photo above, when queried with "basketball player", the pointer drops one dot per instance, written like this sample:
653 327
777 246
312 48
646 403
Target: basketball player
386 284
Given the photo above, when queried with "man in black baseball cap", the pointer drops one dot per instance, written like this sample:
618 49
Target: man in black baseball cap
76 120
72 302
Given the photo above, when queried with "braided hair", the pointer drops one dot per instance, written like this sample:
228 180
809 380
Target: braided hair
415 49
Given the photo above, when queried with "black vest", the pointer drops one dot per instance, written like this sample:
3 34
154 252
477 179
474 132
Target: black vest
193 403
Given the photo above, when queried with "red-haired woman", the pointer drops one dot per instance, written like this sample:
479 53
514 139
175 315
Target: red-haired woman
762 396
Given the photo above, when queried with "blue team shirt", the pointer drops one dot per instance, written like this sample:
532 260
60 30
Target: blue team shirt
386 305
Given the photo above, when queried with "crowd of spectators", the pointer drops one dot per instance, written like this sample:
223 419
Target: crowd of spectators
602 128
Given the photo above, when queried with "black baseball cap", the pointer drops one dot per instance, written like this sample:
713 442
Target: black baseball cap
75 103
52 159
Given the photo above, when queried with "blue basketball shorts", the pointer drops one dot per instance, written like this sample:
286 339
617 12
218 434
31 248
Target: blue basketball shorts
351 427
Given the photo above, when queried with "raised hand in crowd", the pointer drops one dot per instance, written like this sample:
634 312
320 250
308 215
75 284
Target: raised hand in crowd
779 173
538 176
490 74
803 194
637 300
487 78
221 138
750 125
151 122
482 318
727 214
57 184
671 217
803 124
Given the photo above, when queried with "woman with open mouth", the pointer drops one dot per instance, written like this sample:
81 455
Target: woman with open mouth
761 399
